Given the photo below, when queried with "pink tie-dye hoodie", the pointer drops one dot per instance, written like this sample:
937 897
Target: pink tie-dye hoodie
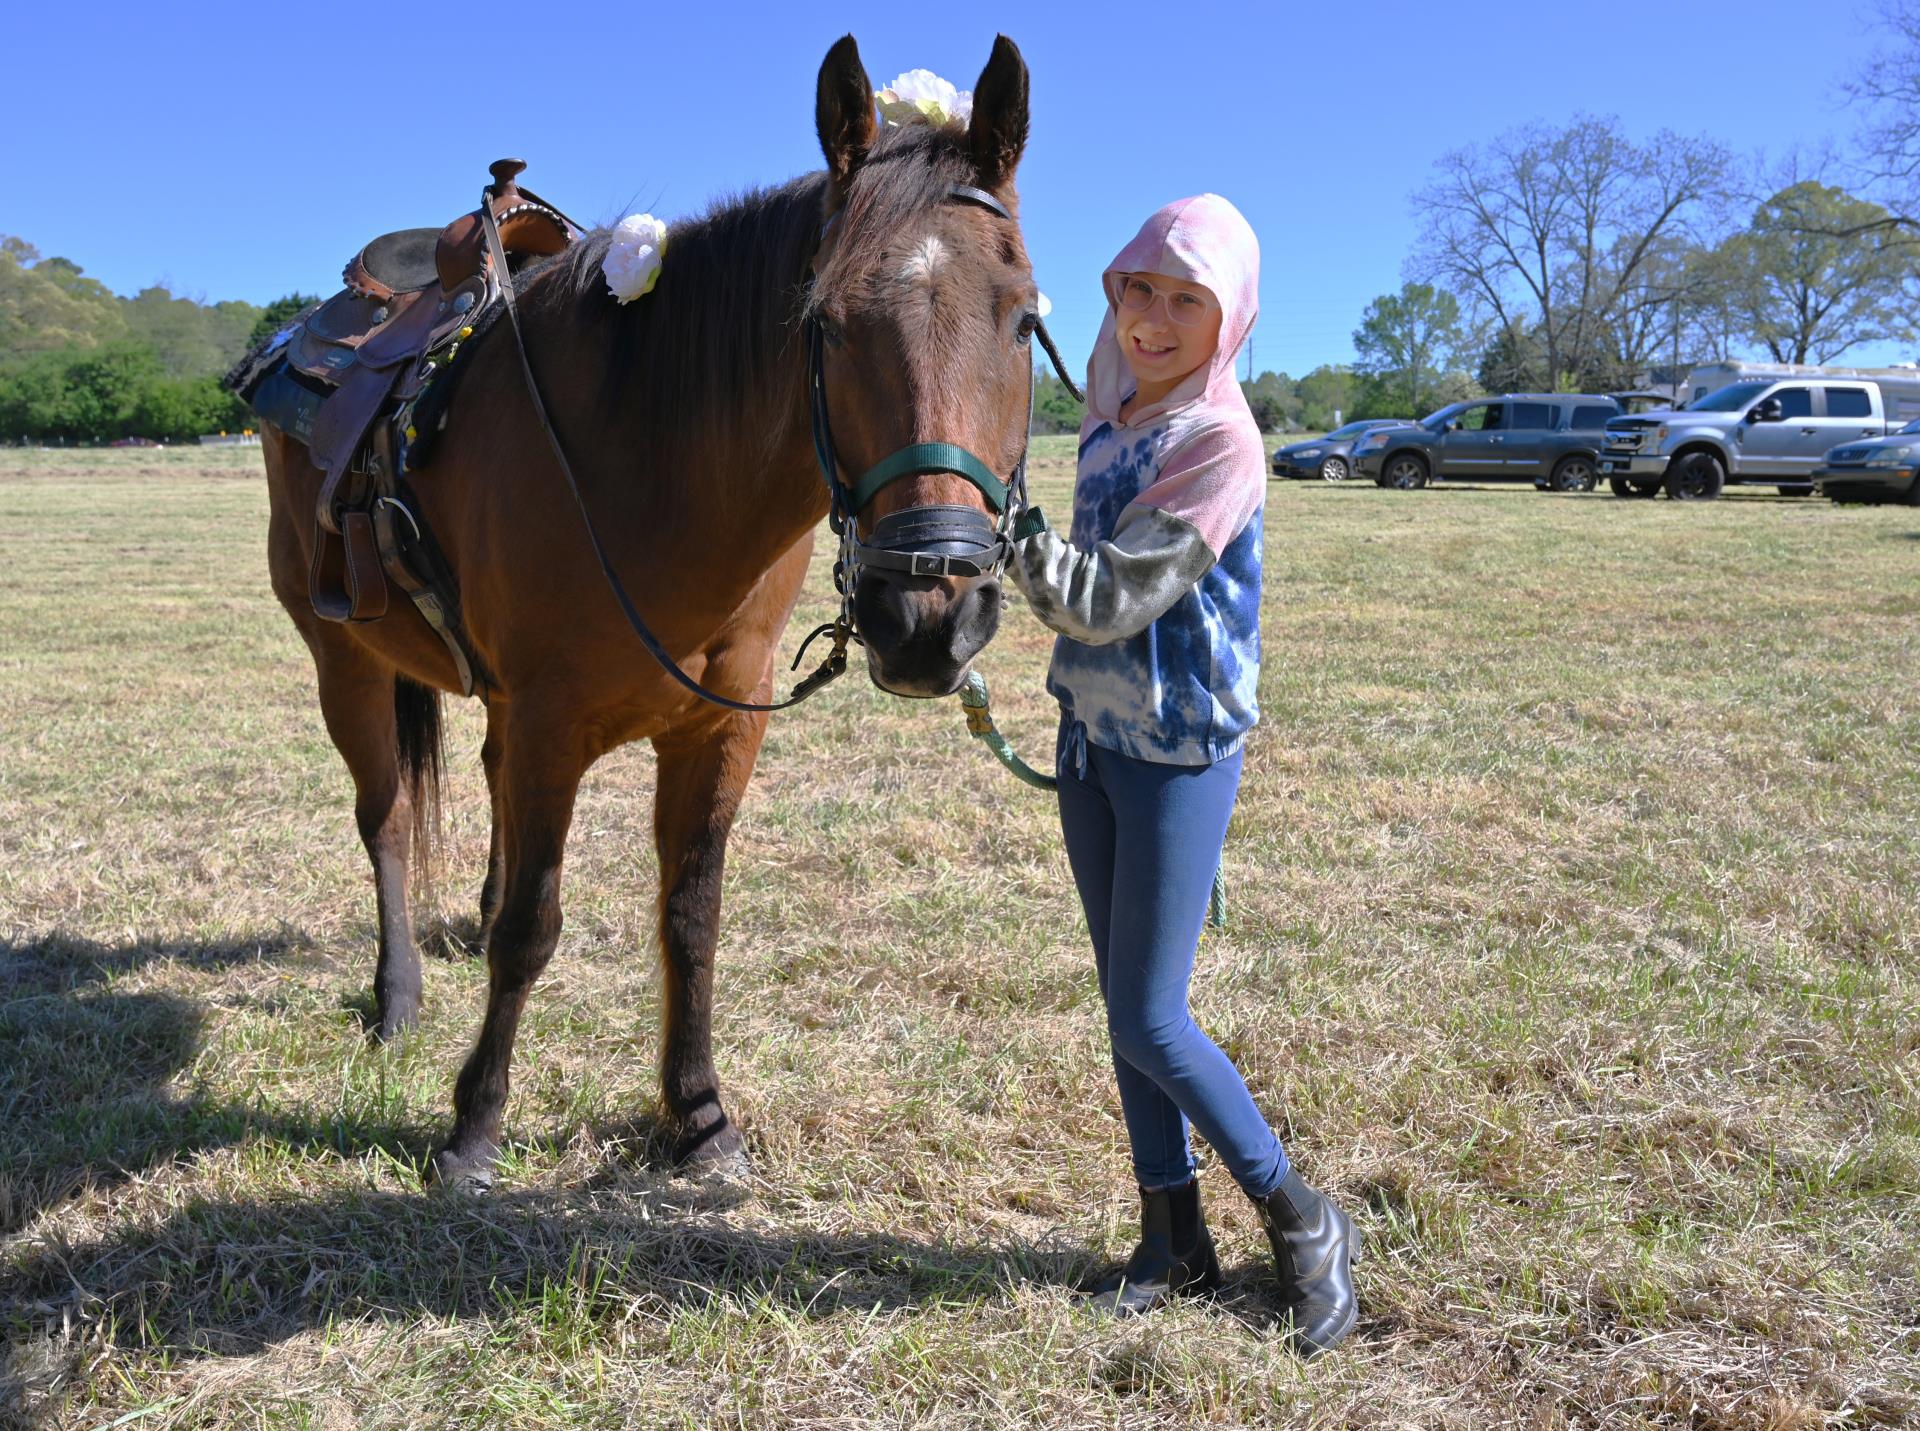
1156 593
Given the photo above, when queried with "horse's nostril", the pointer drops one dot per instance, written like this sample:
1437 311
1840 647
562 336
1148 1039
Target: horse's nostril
882 612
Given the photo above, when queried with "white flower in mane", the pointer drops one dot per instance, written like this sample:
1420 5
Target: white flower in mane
922 94
632 264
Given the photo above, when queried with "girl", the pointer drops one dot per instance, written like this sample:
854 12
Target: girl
1157 602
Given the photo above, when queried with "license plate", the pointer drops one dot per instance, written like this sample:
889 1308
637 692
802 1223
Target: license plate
1606 467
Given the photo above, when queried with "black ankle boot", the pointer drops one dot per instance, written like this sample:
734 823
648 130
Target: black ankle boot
1175 1254
1314 1248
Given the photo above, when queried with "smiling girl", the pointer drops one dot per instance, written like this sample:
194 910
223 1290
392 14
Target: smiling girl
1156 599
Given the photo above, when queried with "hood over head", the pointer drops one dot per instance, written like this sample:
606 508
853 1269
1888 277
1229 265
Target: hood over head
1203 240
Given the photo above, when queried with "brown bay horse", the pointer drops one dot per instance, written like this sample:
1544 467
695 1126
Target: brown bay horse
687 418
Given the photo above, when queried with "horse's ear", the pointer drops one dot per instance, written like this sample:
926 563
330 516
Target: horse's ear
843 113
999 130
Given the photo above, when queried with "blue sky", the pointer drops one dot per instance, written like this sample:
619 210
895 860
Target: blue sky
185 145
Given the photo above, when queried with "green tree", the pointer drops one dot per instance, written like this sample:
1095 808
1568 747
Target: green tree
1054 408
190 338
1406 341
1818 272
1273 401
47 305
282 311
1328 396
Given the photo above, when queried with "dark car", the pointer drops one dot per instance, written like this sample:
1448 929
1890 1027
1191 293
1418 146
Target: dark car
1879 469
1549 439
1329 458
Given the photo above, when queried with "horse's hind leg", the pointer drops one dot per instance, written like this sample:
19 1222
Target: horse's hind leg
696 798
490 886
539 765
358 698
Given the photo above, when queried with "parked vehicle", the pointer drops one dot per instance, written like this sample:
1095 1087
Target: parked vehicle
1711 377
1757 430
1549 439
1881 469
1645 400
1329 458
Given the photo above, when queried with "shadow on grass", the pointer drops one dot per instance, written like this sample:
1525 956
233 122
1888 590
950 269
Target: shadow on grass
85 1100
231 1278
88 1072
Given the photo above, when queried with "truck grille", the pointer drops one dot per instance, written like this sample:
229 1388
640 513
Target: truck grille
1626 436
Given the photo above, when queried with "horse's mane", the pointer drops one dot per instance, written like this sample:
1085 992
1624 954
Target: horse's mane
709 338
708 343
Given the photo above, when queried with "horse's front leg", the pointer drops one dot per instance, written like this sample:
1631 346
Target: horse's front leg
700 782
540 759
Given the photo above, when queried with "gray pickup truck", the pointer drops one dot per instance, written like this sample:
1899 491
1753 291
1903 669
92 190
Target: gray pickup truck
1773 431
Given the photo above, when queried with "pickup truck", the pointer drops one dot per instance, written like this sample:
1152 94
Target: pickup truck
1759 430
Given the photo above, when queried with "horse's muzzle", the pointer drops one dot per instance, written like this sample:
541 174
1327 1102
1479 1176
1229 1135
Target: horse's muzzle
928 597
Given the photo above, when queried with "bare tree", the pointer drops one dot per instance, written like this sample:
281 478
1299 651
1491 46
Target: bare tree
1887 90
1549 231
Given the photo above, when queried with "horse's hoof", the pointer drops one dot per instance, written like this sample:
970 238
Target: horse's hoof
397 1017
462 1172
717 1151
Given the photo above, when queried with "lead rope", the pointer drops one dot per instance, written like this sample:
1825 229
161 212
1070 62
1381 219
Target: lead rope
973 699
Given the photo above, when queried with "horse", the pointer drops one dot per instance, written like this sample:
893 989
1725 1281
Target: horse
690 419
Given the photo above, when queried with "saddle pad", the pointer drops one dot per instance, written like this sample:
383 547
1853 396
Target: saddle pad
288 401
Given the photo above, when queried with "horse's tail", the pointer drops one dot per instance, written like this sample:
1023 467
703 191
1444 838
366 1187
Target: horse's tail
416 721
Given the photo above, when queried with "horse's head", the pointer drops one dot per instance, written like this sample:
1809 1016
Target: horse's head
924 306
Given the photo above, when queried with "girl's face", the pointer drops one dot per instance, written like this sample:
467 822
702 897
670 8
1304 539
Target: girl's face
1173 334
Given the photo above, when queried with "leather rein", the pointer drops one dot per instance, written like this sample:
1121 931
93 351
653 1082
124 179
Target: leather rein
923 538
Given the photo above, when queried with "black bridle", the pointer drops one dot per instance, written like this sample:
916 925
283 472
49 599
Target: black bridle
929 540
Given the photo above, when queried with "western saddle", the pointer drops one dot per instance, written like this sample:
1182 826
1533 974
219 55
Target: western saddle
347 375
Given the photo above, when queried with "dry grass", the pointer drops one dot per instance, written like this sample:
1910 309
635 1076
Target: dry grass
1575 918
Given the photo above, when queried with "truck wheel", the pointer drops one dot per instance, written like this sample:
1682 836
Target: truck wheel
1912 499
1696 478
1621 487
1649 488
1404 472
1334 469
1573 474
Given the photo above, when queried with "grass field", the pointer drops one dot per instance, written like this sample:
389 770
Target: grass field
1575 944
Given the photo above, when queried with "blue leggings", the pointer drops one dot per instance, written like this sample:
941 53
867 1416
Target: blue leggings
1144 839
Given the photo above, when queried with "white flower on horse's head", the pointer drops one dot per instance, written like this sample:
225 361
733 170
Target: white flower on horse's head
922 94
632 264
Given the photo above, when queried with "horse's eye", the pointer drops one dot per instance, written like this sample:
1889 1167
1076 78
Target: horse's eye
830 330
1024 333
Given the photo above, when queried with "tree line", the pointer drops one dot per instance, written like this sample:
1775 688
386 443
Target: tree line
79 364
1566 258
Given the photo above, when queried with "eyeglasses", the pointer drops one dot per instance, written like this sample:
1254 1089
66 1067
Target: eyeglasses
1186 308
